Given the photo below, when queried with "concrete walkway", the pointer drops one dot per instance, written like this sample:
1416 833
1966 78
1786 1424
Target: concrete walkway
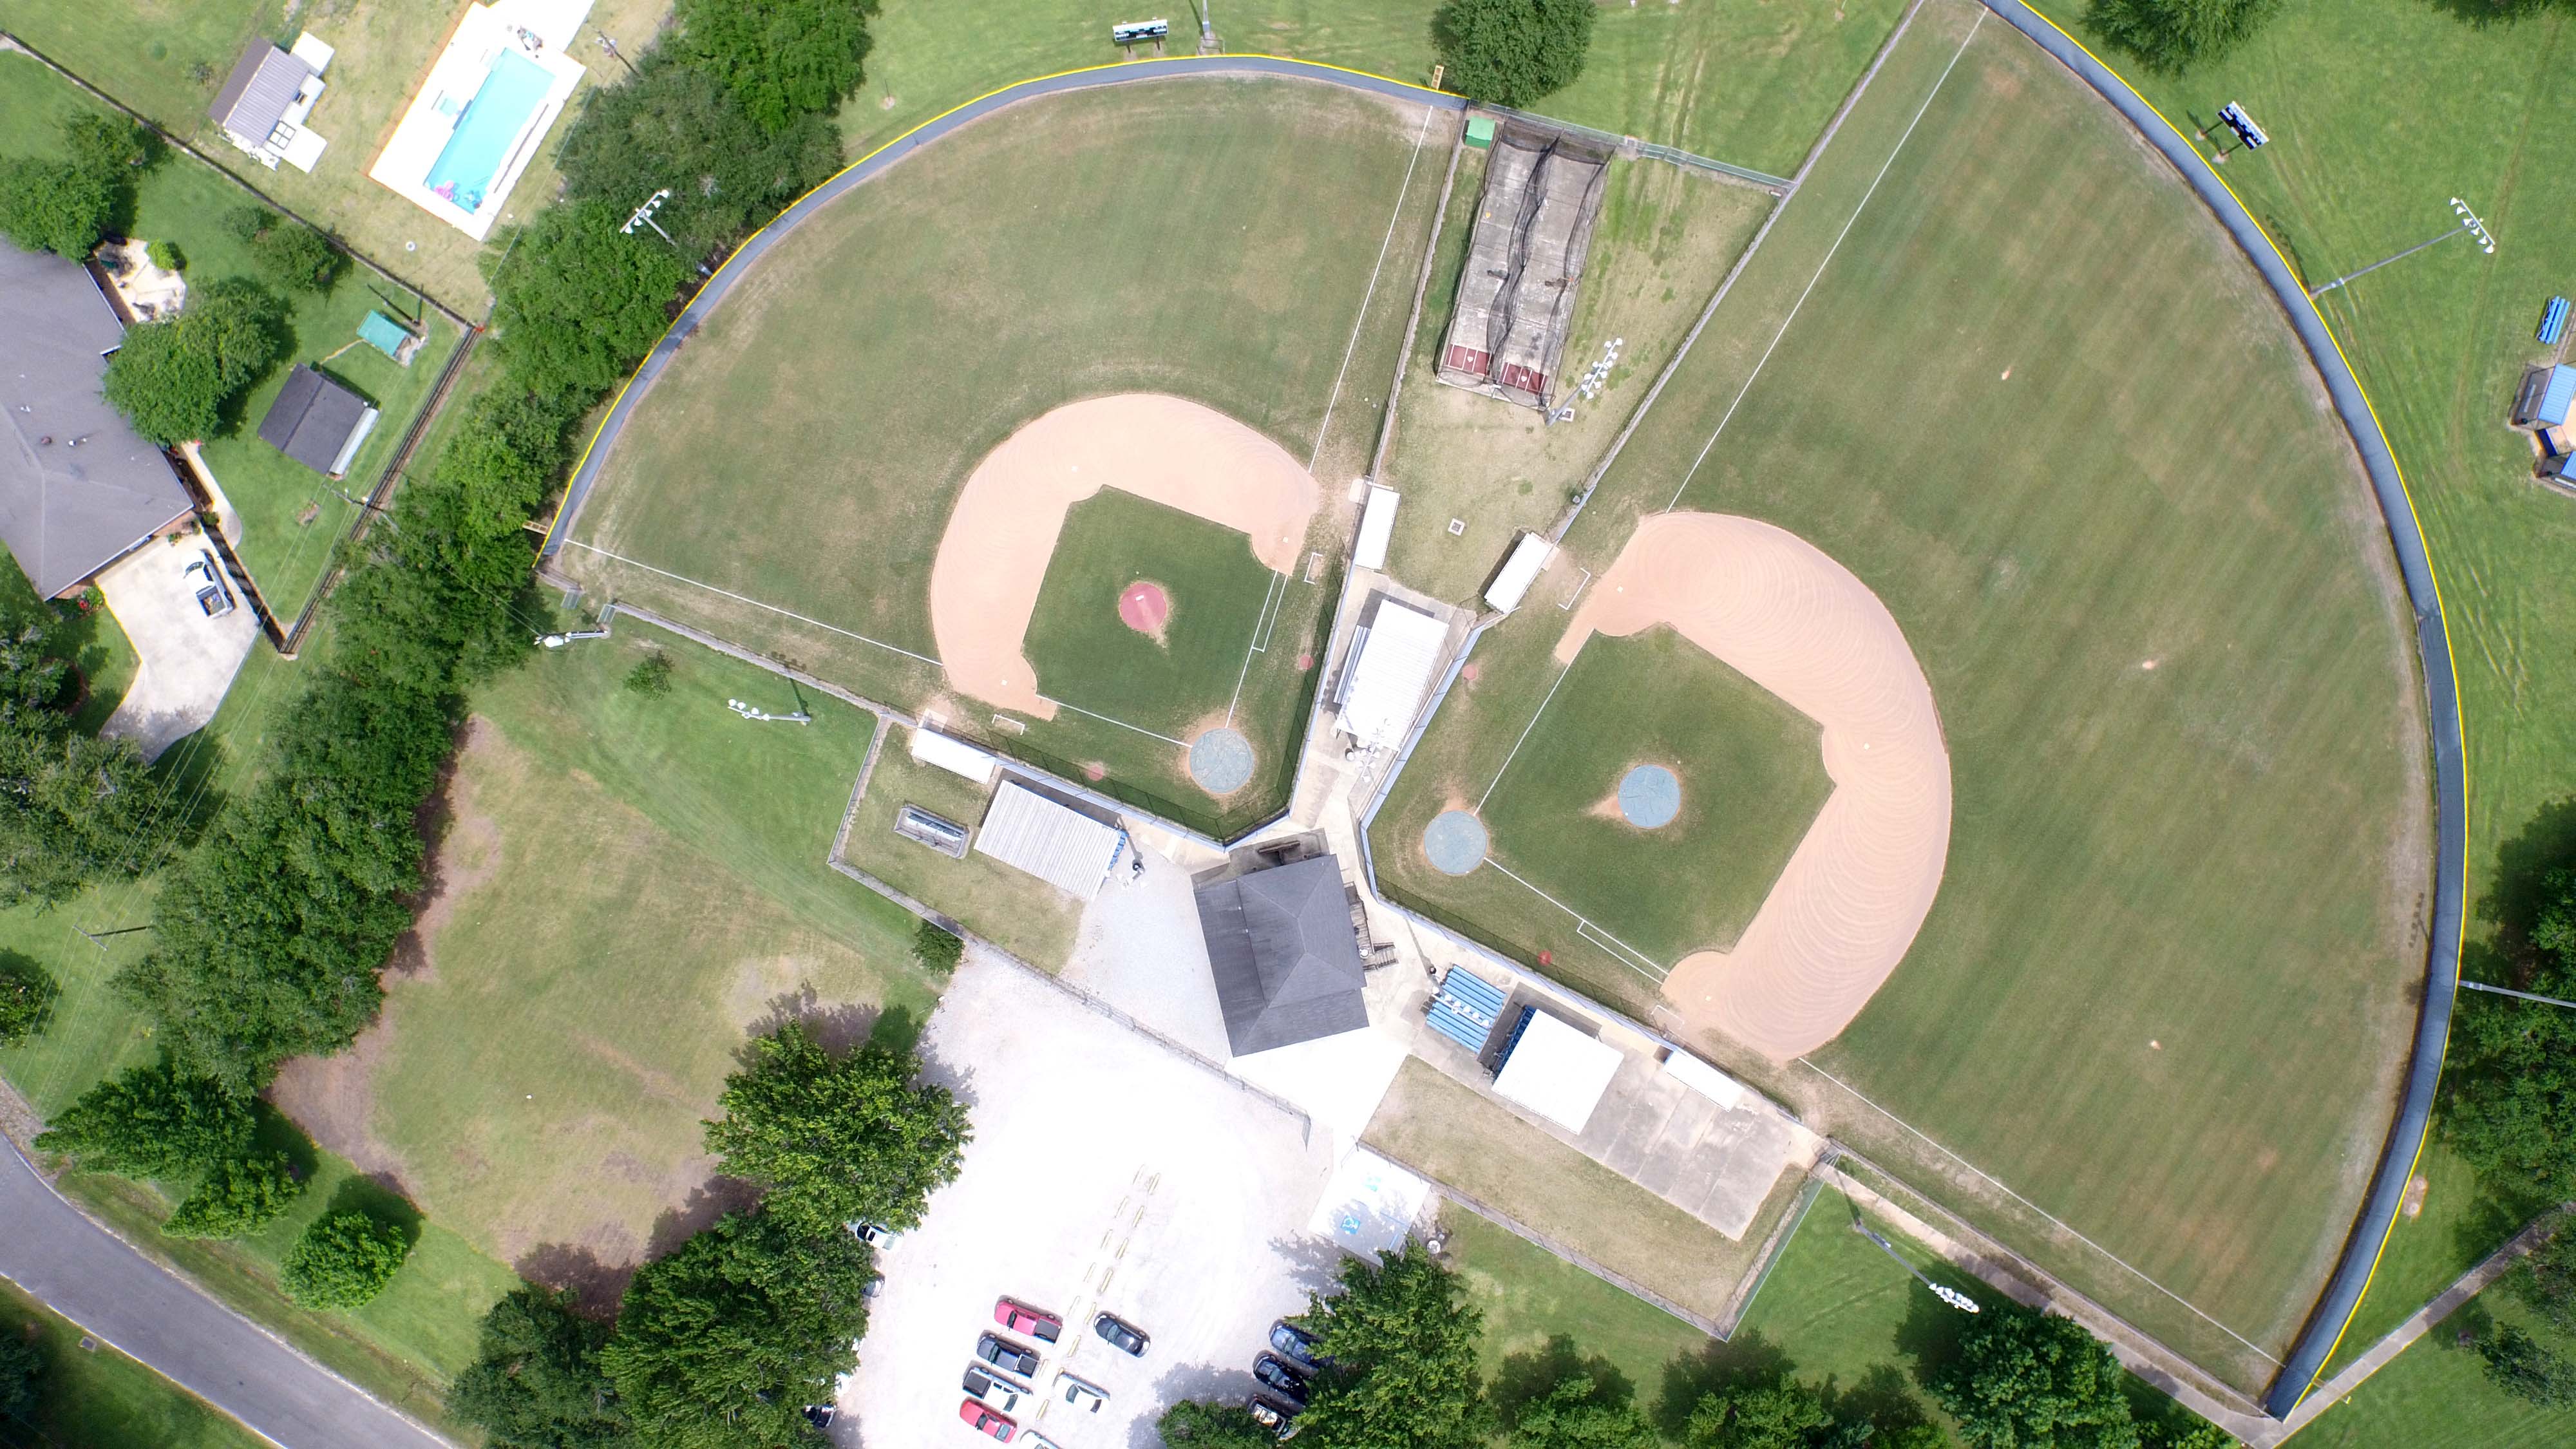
92 1277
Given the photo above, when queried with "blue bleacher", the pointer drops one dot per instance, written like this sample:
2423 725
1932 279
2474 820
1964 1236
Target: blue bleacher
1466 1009
2553 320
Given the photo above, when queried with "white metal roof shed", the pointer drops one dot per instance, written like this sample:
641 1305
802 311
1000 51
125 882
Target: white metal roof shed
1393 670
953 755
1557 1072
1052 841
1377 525
1521 570
1704 1079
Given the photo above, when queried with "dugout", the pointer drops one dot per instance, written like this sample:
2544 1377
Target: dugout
1524 264
1049 837
1554 1070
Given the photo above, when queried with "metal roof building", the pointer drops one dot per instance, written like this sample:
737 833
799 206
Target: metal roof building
1377 527
1555 1070
1284 954
2546 397
954 755
79 489
1393 661
317 422
1049 839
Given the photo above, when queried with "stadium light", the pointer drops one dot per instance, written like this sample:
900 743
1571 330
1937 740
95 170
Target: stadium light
644 216
2518 995
2467 224
1942 1291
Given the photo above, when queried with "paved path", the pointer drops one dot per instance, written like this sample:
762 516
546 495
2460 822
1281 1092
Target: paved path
90 1276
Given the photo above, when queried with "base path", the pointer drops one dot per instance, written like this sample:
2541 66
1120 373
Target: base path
984 582
1847 905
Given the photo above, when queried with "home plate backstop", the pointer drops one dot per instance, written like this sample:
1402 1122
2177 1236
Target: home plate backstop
1516 291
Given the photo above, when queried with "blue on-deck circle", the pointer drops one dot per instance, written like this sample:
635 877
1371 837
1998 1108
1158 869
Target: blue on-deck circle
1455 840
1649 796
1221 761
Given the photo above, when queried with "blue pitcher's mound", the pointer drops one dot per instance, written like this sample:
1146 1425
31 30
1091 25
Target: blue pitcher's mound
1221 761
1649 796
1455 840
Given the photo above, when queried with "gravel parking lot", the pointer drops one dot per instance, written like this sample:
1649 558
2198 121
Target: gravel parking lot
1107 1174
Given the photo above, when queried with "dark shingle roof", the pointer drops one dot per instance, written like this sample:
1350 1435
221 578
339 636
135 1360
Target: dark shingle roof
312 419
1286 962
255 97
78 487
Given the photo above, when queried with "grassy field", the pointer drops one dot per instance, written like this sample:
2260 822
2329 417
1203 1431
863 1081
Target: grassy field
838 449
996 901
1664 239
2436 1394
100 1397
627 885
1087 656
166 58
1752 773
1475 1144
1751 83
291 516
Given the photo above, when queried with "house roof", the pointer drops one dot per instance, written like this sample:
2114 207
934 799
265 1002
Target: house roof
255 97
313 418
78 487
1286 961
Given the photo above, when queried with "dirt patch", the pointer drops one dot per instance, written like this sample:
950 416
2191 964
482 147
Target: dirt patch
1471 671
1146 607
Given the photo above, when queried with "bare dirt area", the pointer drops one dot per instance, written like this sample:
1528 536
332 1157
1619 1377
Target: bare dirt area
992 559
1847 905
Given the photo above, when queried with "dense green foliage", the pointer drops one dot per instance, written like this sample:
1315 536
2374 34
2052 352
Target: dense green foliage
22 1378
66 206
651 675
536 1383
937 948
73 809
1581 1413
2510 1087
2547 1280
2170 35
1191 1424
1512 52
287 254
2024 1378
1783 1414
577 301
724 1342
1401 1341
27 992
2521 1366
343 1261
165 255
783 59
155 1121
237 1197
832 1140
677 127
172 378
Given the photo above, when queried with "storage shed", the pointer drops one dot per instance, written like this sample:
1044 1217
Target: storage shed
1529 559
1555 1070
317 422
957 757
1377 526
2545 398
1065 847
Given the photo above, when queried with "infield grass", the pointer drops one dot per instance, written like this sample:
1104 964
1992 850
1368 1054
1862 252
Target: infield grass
99 1396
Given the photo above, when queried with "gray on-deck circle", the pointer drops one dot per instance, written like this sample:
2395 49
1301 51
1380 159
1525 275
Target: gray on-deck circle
1456 842
1649 796
1221 761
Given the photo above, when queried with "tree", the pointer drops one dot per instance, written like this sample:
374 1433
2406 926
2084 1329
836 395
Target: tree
172 378
1783 1414
781 58
2512 1088
651 675
536 1383
1579 1414
579 302
2199 1434
32 675
2522 1367
678 127
108 145
1511 52
2172 35
239 1196
2023 1378
54 206
343 1261
296 257
724 1342
1402 1372
2547 1280
27 993
22 1378
837 1140
937 948
73 809
1191 1424
151 1122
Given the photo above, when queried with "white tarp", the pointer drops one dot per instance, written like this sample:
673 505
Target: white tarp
1520 571
1392 673
1557 1072
953 755
1377 525
1704 1079
1059 845
1370 1205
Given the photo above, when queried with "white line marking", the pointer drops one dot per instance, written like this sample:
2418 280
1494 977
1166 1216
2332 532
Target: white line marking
1279 585
2043 1212
1122 724
1361 320
1581 921
1765 359
1525 734
755 603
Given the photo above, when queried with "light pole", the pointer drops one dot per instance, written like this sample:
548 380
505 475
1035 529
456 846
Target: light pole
1942 1291
2518 995
644 216
2468 223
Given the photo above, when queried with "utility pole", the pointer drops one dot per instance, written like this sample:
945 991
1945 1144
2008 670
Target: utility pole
610 46
2518 995
2468 223
1942 1291
643 216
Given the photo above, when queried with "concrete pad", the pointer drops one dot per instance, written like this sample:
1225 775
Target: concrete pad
187 660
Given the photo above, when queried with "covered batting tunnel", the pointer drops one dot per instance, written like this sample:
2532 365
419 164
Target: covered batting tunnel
1516 288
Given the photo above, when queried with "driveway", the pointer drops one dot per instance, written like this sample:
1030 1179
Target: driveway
89 1276
188 660
1108 1173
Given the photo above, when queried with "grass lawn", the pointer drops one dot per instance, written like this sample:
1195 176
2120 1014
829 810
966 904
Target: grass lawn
799 452
1664 239
1087 656
2436 1394
627 885
1459 1137
1752 773
1032 920
100 1397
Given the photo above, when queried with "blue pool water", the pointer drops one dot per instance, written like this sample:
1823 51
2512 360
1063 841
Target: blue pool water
510 93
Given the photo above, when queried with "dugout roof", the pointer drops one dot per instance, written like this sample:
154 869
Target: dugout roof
1556 1071
1393 669
1284 954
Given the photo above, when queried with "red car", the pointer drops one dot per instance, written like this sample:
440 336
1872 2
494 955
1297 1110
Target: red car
1019 1317
984 1421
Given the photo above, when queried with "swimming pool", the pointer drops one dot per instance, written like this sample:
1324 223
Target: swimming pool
491 126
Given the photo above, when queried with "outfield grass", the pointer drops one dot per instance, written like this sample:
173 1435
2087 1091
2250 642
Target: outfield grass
2436 1394
1031 920
1086 655
100 1397
803 450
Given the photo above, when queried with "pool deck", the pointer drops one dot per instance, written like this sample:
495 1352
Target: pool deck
542 31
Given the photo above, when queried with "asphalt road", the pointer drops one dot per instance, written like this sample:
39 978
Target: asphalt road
53 1251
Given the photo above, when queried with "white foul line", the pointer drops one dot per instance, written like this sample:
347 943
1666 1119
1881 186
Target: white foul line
755 603
1765 359
1278 585
1583 922
1362 319
1122 724
1525 734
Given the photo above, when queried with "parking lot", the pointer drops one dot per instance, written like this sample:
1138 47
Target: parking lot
1107 1174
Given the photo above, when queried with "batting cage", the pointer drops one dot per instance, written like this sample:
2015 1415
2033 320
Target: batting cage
1516 290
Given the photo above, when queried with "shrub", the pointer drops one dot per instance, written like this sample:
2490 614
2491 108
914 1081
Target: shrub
536 1382
166 256
27 995
54 206
937 949
2172 35
155 1121
651 674
239 1196
343 1261
1512 52
173 378
22 1379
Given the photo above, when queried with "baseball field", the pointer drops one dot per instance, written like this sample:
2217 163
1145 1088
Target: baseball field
1997 363
801 472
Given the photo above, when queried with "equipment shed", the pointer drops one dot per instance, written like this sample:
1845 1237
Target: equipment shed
1555 1070
317 422
1394 666
1049 839
1377 526
1529 559
953 755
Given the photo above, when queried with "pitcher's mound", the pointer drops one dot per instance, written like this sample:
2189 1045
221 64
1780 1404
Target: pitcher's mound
1145 608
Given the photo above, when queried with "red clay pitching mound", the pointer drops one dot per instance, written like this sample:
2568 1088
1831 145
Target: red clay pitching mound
1145 608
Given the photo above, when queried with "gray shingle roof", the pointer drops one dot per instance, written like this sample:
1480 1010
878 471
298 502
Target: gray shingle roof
312 419
78 487
1286 961
255 97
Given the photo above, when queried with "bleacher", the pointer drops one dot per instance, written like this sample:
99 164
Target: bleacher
1466 1009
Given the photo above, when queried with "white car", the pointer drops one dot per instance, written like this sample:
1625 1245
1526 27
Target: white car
1082 1393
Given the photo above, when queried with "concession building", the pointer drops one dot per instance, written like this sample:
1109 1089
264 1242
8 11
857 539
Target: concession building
1284 953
